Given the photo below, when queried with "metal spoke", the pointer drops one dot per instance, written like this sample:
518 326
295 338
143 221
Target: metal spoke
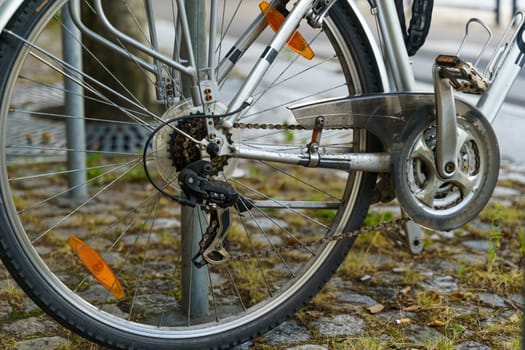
234 285
66 217
308 184
282 204
63 172
140 271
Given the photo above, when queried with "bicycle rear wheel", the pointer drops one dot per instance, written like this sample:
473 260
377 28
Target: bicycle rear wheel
136 229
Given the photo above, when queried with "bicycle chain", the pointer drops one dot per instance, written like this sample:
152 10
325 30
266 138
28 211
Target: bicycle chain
269 126
383 226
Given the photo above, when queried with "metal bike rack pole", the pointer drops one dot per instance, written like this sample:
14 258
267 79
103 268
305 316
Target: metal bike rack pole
74 108
195 282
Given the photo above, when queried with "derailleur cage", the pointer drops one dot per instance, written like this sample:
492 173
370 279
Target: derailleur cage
214 241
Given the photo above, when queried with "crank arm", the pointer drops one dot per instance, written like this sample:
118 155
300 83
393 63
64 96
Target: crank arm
446 125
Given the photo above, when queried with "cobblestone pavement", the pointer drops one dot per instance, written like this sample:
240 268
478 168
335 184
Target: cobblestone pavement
459 294
377 299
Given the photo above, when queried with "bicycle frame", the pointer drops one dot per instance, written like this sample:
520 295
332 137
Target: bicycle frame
401 79
9 7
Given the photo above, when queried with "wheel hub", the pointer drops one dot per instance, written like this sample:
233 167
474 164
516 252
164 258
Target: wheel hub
173 150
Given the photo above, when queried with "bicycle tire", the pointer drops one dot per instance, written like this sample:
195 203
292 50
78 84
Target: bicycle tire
34 220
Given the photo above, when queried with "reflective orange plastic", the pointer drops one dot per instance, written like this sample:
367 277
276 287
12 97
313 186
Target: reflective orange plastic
296 41
97 266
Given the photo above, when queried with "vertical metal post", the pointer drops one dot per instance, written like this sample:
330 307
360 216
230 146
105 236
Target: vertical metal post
74 108
195 281
497 10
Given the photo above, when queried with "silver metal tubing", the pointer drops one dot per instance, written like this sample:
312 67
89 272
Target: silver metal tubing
265 61
377 55
278 204
241 45
446 124
74 10
394 46
512 63
372 162
188 70
501 50
195 282
186 38
153 37
74 106
212 55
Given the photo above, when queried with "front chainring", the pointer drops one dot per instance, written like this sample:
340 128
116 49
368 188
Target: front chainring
444 204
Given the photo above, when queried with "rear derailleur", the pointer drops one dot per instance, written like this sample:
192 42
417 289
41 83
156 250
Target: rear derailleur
216 197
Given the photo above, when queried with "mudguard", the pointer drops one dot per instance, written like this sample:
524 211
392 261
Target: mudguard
390 117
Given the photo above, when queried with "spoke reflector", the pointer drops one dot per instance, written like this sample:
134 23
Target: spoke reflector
296 41
97 266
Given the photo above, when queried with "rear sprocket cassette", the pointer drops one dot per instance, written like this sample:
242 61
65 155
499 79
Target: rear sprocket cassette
174 150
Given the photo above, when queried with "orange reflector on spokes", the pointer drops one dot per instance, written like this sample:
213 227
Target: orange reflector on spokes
275 20
97 266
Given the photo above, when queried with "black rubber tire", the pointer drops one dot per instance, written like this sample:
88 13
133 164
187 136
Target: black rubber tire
43 291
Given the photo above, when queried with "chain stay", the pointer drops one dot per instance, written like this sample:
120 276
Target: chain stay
381 227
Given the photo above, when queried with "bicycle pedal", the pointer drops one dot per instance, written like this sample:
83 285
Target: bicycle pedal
463 75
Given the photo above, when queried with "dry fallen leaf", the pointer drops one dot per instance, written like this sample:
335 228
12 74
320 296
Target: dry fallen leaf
411 308
436 323
514 318
377 308
404 321
406 290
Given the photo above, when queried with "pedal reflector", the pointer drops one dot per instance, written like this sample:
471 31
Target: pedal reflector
97 266
275 19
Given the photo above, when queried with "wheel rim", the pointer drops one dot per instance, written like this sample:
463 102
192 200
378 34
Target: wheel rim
28 207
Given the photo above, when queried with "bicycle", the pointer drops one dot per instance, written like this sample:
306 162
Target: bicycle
209 207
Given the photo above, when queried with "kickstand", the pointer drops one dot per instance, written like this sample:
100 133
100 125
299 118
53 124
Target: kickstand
413 235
